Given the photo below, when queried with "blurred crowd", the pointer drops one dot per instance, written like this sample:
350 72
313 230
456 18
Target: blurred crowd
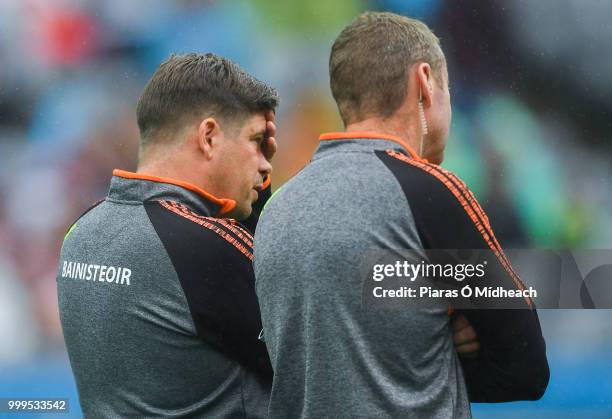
530 83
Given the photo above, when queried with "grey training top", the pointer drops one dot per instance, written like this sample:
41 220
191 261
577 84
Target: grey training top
158 306
334 354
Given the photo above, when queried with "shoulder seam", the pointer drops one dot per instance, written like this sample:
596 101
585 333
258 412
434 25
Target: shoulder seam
471 206
73 224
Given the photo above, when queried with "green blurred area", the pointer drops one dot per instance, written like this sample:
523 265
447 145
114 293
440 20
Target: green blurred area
313 18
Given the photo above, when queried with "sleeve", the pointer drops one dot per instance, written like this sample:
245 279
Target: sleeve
512 363
251 222
213 260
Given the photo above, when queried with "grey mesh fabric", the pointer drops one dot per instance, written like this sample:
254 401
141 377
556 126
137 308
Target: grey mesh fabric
332 355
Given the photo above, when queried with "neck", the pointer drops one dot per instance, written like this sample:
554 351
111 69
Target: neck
396 126
176 167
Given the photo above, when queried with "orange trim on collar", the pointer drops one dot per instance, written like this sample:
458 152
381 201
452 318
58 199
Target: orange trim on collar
226 204
369 135
267 182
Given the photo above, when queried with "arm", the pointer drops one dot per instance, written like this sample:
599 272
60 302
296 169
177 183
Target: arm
511 363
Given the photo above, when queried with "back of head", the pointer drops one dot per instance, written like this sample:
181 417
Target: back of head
370 62
188 88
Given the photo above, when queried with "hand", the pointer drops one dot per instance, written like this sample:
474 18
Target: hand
464 337
268 146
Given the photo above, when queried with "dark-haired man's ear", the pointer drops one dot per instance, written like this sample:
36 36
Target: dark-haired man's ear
424 82
208 133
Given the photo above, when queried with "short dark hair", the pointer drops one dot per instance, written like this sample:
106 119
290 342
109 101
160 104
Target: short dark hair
370 61
185 86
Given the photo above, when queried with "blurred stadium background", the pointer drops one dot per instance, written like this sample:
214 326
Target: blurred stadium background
531 83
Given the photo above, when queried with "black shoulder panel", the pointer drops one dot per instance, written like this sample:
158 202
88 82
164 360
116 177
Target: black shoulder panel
441 220
212 258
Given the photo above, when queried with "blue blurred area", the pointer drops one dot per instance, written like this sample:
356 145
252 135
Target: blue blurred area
580 385
577 389
47 376
530 85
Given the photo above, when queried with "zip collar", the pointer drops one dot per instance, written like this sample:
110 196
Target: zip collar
363 135
224 205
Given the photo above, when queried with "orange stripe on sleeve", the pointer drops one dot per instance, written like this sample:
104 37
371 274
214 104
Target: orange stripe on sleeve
478 209
211 224
228 223
473 209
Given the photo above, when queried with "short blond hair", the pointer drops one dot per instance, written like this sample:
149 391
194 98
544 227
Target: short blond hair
370 61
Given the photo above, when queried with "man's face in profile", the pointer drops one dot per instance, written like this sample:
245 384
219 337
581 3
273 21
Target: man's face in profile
243 166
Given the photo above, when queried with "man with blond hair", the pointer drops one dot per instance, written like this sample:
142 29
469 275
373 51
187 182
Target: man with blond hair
377 185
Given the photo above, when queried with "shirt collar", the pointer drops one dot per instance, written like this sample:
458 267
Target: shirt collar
140 187
367 135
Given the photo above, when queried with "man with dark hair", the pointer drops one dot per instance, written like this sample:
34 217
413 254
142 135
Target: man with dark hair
378 186
155 283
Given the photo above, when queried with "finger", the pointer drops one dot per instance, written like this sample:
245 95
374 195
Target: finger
469 349
464 335
270 128
459 322
270 148
270 115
